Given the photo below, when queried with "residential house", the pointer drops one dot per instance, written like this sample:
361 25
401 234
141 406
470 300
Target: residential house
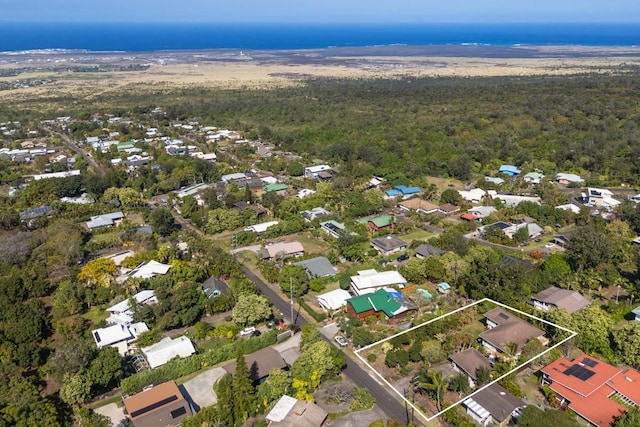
494 180
448 209
569 207
594 390
315 213
333 228
425 250
418 205
509 170
561 240
389 302
533 230
30 214
305 192
320 172
392 194
493 406
261 228
473 196
482 211
601 197
260 210
505 328
469 361
106 220
470 217
636 313
512 200
553 297
444 288
278 188
368 281
233 177
317 267
282 250
388 245
119 335
375 182
166 349
407 192
533 177
161 405
568 178
214 286
146 270
290 412
260 364
54 175
118 257
381 222
122 313
333 300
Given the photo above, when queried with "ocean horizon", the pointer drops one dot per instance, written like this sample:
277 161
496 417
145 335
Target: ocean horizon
146 37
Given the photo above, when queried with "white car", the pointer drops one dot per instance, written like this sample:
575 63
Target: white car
342 341
550 245
247 332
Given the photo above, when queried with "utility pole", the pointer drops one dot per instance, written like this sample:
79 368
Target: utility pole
293 320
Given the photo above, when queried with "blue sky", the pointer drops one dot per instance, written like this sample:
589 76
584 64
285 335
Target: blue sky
391 11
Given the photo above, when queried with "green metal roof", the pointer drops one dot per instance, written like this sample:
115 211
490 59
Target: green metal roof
275 187
380 300
382 221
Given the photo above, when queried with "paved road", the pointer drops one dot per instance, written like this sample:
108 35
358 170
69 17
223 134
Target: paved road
384 399
69 143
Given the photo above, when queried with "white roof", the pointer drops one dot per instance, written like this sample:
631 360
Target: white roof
510 200
262 227
333 300
149 269
142 297
119 257
64 174
569 177
281 409
160 353
233 177
472 195
476 408
483 211
569 207
269 180
116 333
318 168
369 281
305 192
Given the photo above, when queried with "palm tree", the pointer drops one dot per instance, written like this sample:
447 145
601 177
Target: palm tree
435 386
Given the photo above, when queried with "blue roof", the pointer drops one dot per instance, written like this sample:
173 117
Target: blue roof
392 193
407 190
444 286
510 170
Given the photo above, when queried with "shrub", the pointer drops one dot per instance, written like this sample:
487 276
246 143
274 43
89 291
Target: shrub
371 357
318 317
362 401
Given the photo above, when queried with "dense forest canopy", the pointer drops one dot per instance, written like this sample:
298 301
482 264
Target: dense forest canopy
432 126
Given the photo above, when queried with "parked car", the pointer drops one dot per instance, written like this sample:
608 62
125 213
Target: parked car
247 332
550 245
403 257
342 341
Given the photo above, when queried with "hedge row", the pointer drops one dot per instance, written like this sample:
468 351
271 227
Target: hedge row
180 367
319 317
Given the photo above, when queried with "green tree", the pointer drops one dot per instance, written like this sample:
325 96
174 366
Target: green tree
250 309
594 325
434 385
626 341
277 384
451 196
631 418
98 272
106 367
226 404
85 417
75 389
296 276
162 221
244 404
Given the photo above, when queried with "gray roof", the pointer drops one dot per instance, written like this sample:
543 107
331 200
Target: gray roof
636 311
388 243
317 267
260 363
510 328
498 401
428 250
469 361
571 301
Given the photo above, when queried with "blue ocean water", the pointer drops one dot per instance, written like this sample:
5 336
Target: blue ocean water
158 36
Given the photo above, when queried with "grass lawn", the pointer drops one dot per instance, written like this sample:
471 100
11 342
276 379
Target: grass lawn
313 245
417 234
96 315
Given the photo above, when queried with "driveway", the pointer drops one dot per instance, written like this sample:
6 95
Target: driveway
199 390
115 414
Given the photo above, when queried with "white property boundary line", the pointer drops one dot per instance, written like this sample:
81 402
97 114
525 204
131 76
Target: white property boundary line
357 353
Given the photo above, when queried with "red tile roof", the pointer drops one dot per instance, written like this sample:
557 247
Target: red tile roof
588 384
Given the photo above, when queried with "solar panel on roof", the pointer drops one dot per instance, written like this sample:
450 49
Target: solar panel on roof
580 372
589 362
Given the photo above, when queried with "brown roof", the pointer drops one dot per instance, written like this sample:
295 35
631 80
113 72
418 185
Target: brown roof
419 204
571 301
510 328
469 361
388 242
260 363
163 405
